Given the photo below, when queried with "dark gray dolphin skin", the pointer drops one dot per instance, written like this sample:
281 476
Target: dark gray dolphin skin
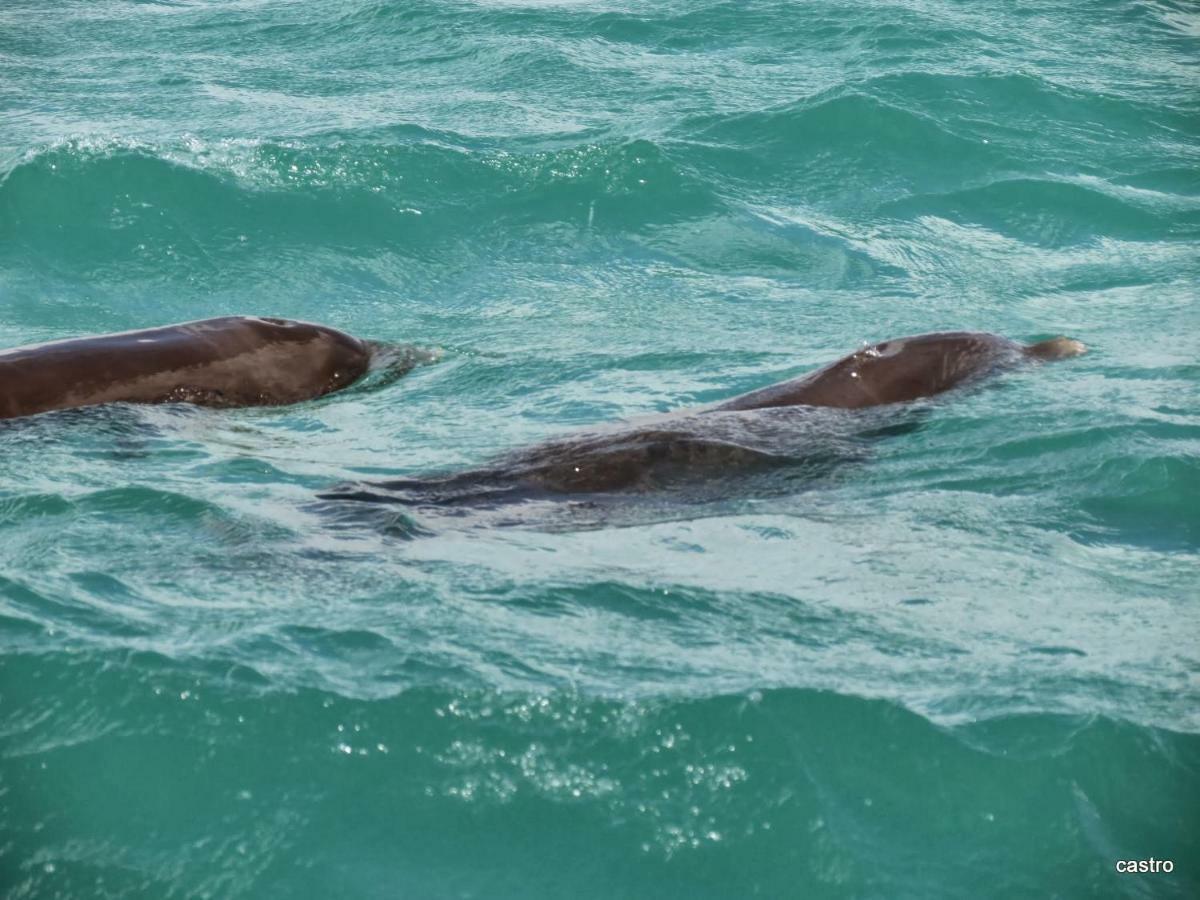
797 421
227 362
903 369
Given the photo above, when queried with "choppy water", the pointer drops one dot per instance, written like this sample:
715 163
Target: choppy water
965 665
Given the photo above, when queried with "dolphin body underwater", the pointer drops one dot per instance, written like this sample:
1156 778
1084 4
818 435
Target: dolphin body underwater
243 361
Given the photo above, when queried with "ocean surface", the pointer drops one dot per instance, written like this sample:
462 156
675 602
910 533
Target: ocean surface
963 663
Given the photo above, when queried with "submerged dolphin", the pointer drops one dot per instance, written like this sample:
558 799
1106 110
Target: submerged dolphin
809 419
226 362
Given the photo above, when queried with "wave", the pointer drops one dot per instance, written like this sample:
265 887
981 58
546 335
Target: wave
79 205
895 138
843 144
123 210
1042 113
1048 212
705 796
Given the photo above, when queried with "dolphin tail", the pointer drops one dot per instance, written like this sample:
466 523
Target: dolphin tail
1056 348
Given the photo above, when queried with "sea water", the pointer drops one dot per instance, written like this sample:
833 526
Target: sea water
966 663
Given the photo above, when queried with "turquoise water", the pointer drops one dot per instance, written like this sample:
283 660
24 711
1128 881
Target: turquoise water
965 664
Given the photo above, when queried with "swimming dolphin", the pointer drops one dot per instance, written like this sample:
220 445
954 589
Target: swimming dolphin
225 362
805 419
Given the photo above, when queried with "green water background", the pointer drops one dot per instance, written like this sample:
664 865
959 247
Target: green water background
965 666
